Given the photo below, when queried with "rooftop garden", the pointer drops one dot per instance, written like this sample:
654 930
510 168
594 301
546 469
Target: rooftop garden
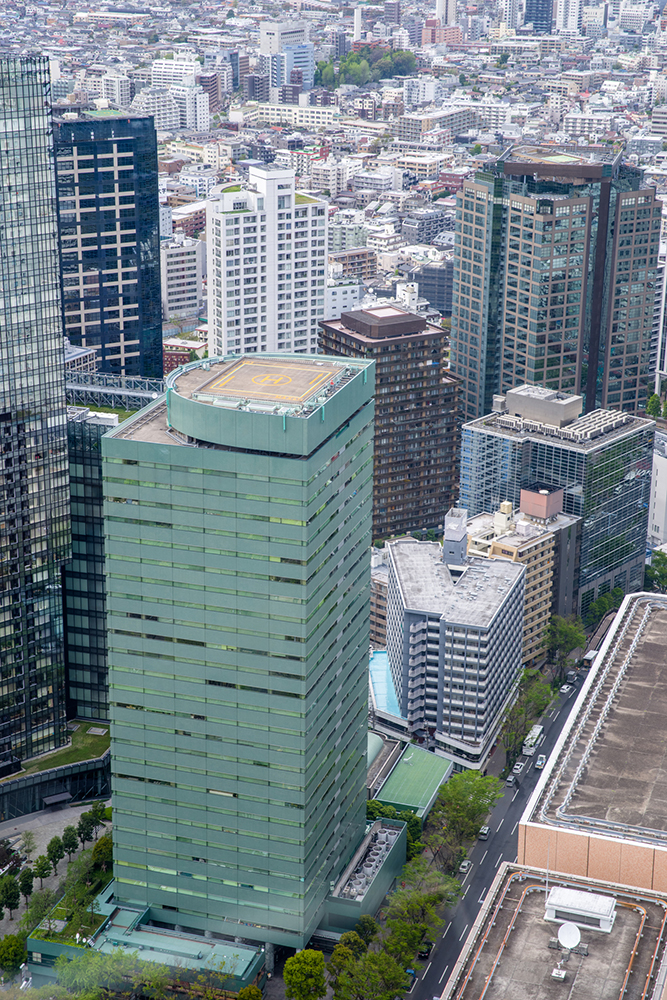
304 199
83 745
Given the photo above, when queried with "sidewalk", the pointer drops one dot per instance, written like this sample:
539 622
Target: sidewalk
44 825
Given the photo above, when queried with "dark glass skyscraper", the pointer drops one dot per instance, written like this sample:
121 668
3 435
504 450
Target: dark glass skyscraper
554 278
34 488
106 171
540 14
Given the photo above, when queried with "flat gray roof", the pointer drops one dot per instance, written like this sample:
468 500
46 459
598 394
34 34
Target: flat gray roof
615 781
521 967
427 584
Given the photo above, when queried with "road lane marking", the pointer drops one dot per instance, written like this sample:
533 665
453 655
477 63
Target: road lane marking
514 827
485 854
443 975
515 794
557 714
499 860
448 926
501 822
481 895
465 893
425 973
464 930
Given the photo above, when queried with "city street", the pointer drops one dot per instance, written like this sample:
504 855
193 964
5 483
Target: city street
486 857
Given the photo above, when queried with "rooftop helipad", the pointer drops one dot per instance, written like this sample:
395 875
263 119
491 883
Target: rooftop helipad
271 379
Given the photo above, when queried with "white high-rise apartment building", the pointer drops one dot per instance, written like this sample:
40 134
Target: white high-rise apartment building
193 106
267 249
568 16
168 72
182 267
117 89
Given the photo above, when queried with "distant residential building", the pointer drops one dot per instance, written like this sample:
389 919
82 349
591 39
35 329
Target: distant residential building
167 72
533 543
274 36
79 359
454 640
177 352
193 107
416 413
182 266
256 87
357 263
602 461
117 89
199 176
435 284
160 103
423 225
342 295
379 582
189 218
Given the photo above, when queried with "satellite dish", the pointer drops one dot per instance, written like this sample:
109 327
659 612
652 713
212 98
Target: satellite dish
569 935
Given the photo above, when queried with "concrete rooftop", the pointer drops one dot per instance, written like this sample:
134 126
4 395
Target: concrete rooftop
427 584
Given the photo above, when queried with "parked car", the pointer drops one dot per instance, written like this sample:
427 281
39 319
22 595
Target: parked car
510 780
426 949
518 767
484 832
413 976
540 762
465 867
566 688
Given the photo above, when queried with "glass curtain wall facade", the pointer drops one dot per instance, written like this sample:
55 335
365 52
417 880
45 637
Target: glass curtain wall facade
555 279
34 488
106 171
607 483
84 598
238 580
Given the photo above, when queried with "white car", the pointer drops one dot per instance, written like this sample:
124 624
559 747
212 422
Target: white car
566 688
518 768
540 762
465 867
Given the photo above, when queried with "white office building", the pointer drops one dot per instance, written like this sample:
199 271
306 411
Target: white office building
267 248
117 89
182 268
568 17
454 640
343 295
170 72
275 35
657 520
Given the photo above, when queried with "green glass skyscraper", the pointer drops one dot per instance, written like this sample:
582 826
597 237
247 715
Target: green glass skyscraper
34 488
238 517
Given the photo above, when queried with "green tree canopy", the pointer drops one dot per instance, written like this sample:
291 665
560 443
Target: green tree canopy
28 843
39 906
85 828
375 976
367 928
653 406
532 698
103 852
304 975
249 993
26 879
95 974
55 852
655 576
12 953
70 841
604 604
10 894
42 868
465 800
563 636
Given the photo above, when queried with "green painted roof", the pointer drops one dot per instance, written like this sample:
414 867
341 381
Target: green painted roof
414 782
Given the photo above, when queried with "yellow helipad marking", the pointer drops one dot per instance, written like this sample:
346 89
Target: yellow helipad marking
263 379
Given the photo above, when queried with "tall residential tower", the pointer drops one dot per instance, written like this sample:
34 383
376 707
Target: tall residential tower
238 514
34 487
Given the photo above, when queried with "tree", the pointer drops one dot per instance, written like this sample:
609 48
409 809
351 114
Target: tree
605 603
375 976
476 149
84 828
26 879
664 405
465 800
462 79
103 852
564 635
653 407
10 894
12 953
532 698
341 959
40 905
250 993
98 809
70 842
95 974
42 869
367 928
351 940
55 852
655 576
304 975
28 842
